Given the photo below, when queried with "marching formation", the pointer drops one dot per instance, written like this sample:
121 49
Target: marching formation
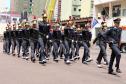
39 41
43 42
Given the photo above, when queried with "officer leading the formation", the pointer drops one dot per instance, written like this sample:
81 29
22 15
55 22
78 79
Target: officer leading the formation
114 35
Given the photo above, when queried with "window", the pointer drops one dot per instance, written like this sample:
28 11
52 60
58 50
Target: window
116 10
79 10
124 12
30 0
92 3
75 9
105 11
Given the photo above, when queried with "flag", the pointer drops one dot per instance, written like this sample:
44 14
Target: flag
93 23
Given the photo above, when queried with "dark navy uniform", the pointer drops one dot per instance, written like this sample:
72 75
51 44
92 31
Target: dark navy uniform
57 37
86 44
114 38
25 44
13 41
69 36
34 33
19 40
78 39
44 29
114 35
61 46
8 40
5 41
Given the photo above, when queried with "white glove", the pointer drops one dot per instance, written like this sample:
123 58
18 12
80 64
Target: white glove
60 41
50 40
47 36
72 41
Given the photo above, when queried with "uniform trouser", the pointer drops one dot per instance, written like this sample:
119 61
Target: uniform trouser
37 48
33 45
115 54
8 45
78 45
4 46
25 47
47 48
13 42
55 50
19 44
72 50
86 51
67 49
102 53
61 49
28 44
42 53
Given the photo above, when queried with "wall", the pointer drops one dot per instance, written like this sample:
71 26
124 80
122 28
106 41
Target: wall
66 9
96 2
86 8
38 7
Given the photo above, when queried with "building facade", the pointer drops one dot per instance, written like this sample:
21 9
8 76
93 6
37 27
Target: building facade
63 10
109 9
70 8
87 8
19 5
76 8
38 7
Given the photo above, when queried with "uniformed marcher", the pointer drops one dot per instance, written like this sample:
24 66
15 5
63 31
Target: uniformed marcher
57 38
61 46
19 39
44 29
25 44
102 42
114 35
78 39
69 36
5 41
33 39
86 44
8 39
13 39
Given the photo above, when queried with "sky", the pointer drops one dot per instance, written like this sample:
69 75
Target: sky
4 4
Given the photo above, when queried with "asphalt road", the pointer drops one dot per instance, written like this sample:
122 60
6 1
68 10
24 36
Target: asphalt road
15 70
